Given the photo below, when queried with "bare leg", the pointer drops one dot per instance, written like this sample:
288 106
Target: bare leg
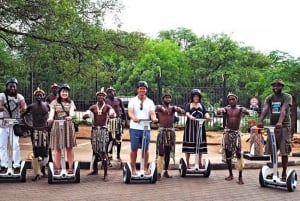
70 156
105 164
167 161
200 161
239 166
133 156
57 159
229 165
284 160
146 163
187 158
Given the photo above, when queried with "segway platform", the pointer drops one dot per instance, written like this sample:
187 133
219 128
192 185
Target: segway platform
268 177
195 169
9 174
63 176
140 175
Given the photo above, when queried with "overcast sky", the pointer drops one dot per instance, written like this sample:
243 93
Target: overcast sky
263 24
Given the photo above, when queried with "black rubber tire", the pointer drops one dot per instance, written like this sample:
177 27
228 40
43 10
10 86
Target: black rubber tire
126 174
292 178
183 168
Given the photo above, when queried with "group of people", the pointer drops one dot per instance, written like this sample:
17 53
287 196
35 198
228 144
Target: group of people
107 115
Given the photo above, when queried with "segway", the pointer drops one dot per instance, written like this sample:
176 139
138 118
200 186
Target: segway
196 170
275 180
140 176
9 174
64 176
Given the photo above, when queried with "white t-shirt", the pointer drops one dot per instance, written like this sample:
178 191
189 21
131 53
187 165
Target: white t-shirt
140 112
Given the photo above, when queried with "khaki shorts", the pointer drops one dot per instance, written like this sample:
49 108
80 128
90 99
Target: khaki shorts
283 141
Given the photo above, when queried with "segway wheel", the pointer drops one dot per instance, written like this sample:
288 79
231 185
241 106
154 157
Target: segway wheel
126 174
261 179
292 181
154 177
77 174
50 177
182 167
208 170
23 174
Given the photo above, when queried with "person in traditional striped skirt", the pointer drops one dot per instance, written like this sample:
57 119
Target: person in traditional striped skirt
194 110
62 108
100 113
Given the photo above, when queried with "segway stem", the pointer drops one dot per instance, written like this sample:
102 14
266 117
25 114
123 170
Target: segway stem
62 143
198 140
146 123
274 150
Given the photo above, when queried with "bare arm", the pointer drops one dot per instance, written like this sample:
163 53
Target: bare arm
263 115
153 116
23 106
131 115
283 110
1 106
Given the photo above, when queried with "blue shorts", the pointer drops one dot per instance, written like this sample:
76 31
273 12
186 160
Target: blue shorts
136 137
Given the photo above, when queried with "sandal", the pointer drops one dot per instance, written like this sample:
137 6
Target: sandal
57 172
70 171
229 178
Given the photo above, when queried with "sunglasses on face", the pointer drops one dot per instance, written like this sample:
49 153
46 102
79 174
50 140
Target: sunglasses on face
141 106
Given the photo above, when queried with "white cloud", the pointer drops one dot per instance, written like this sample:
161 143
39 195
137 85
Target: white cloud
263 24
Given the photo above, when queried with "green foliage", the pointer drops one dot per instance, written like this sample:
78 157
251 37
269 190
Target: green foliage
65 41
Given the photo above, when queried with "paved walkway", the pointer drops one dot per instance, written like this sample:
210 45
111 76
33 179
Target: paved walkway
83 153
178 188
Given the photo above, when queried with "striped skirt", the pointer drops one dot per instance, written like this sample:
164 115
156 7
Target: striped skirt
63 135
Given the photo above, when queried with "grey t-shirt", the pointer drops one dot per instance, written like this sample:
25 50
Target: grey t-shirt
14 104
276 102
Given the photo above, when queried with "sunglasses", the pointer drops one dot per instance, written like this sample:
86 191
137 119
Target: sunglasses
141 106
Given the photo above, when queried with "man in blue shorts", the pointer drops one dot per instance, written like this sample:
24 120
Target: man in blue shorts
140 107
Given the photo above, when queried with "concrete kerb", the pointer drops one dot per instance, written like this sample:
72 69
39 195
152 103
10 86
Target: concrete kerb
173 166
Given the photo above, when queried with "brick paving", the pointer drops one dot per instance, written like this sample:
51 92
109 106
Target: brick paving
178 188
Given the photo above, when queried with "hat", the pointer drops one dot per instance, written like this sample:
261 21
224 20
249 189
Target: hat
110 88
166 94
278 81
142 84
11 80
38 90
232 94
54 85
101 92
64 86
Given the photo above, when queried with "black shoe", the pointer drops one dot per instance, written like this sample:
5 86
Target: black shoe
37 177
3 170
166 174
17 170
